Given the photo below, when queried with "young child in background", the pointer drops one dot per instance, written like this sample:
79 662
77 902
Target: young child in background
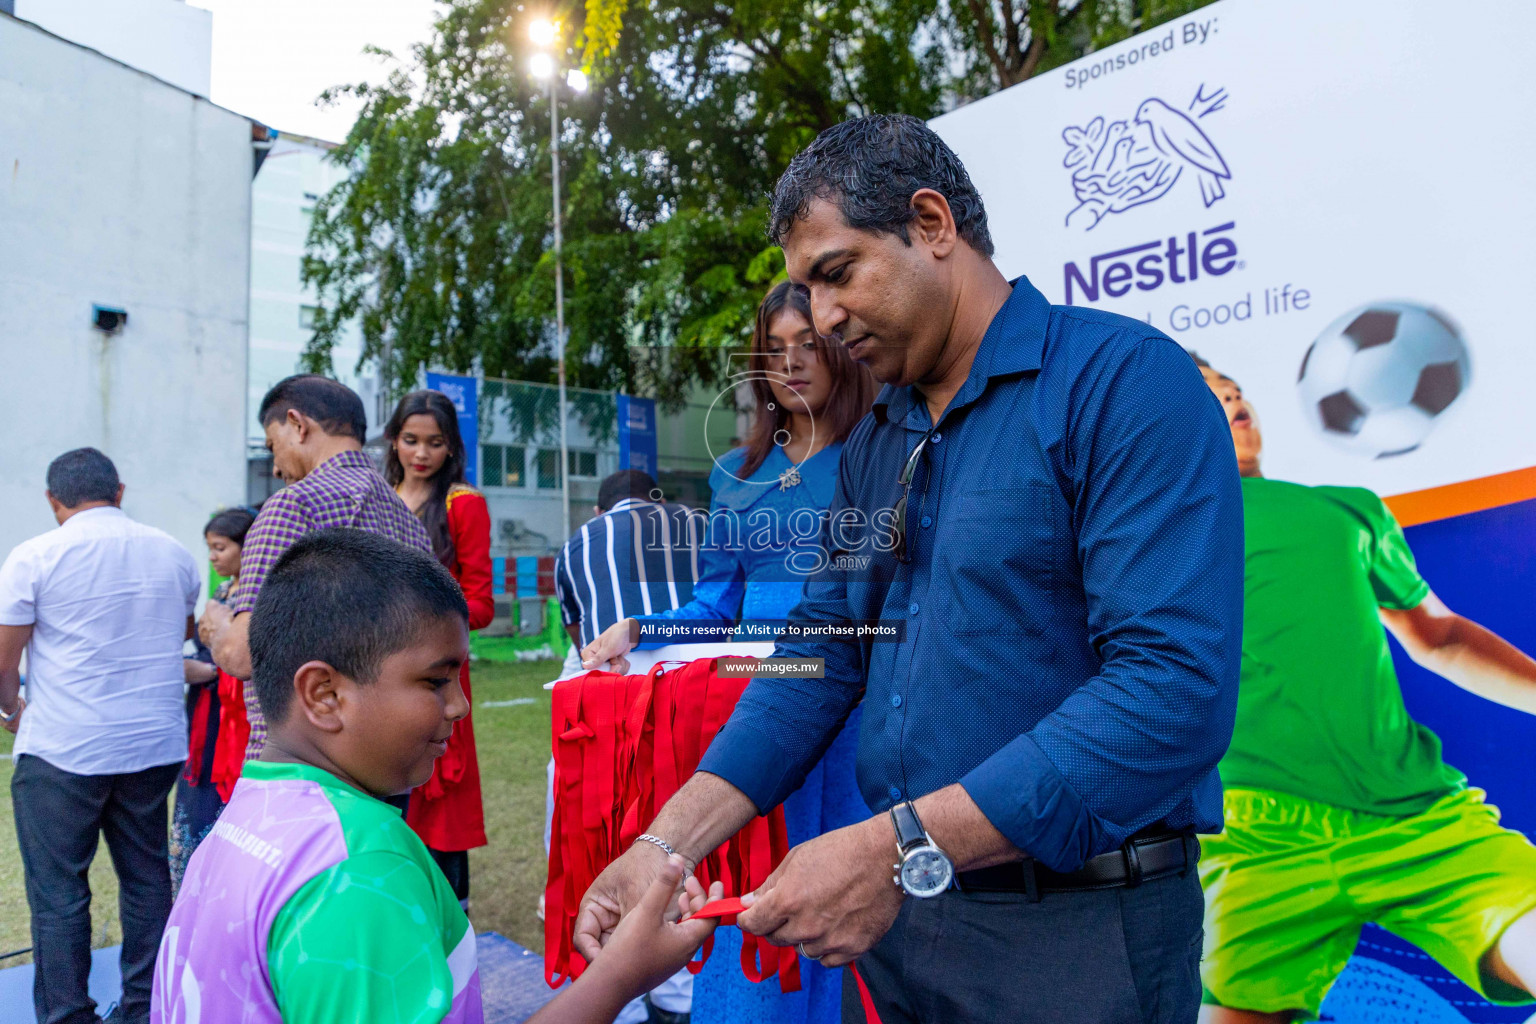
311 900
215 711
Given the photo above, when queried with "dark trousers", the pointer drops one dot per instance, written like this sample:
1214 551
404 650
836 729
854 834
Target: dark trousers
454 864
1107 956
59 819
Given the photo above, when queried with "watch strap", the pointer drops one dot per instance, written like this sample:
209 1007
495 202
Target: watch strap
909 828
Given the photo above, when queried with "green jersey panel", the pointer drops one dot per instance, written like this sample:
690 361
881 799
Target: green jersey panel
379 938
1320 713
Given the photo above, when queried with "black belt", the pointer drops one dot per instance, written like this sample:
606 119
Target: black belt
1142 858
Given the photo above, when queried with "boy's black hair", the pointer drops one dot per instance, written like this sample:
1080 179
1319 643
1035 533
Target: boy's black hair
328 402
82 475
626 483
347 598
1205 365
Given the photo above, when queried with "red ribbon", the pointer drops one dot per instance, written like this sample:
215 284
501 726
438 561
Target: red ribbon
728 907
234 732
197 741
871 1016
623 745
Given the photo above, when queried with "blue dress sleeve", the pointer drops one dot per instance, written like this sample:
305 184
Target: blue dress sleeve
722 582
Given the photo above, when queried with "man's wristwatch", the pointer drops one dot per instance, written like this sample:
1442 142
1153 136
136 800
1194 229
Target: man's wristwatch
924 870
7 717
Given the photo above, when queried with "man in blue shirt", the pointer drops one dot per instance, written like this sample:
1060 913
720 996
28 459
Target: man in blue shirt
1050 503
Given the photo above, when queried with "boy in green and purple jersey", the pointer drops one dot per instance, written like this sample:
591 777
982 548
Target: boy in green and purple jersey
1339 809
311 900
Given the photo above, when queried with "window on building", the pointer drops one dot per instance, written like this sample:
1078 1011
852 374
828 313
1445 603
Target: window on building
307 317
501 465
582 463
490 465
549 469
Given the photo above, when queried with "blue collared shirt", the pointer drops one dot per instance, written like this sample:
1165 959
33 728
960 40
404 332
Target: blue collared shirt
1073 607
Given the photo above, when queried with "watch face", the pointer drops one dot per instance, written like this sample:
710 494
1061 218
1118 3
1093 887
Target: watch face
926 872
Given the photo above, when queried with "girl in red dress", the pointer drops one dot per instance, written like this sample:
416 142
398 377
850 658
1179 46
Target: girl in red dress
425 465
215 711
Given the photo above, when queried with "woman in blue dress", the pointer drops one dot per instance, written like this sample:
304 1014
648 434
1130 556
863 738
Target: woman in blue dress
765 497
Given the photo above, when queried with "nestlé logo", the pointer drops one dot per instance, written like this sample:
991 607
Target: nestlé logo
1211 252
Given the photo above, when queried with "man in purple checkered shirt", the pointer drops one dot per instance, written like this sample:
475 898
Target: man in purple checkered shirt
315 431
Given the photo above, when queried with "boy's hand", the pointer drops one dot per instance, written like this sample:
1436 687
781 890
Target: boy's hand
651 944
646 948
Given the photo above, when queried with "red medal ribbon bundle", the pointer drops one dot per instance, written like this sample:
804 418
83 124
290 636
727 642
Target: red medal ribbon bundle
622 746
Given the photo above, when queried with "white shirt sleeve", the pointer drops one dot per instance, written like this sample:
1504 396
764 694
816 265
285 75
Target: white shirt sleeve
18 588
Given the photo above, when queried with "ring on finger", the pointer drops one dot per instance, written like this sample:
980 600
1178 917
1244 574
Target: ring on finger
800 948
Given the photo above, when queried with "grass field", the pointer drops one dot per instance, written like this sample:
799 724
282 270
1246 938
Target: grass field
506 877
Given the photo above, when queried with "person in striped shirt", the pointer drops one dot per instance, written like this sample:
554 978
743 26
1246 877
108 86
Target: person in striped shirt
638 555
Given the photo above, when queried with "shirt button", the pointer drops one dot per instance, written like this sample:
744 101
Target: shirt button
937 438
895 792
895 700
927 521
912 608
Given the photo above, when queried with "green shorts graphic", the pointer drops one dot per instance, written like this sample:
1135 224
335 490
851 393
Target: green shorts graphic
1291 881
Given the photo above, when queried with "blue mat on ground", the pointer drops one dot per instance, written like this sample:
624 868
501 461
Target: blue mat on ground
511 982
16 987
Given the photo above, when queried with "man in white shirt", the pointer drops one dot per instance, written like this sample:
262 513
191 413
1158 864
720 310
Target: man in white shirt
102 606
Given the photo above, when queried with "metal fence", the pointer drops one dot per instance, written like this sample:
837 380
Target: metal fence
519 457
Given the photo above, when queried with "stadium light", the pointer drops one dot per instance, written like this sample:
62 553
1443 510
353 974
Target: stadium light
542 32
543 67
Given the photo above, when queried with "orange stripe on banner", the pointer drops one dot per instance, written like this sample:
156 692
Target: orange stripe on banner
1460 498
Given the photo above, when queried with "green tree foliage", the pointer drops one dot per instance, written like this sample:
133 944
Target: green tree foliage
439 243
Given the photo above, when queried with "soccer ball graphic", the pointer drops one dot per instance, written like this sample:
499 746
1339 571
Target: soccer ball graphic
1377 378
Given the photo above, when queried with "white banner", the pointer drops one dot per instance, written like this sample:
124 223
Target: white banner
1259 177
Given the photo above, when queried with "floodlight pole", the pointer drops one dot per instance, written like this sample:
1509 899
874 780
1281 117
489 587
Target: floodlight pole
565 454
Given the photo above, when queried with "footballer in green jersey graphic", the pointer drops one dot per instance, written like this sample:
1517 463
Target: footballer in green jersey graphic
1339 808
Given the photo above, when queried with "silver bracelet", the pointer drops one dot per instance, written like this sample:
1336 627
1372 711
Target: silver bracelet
657 841
665 846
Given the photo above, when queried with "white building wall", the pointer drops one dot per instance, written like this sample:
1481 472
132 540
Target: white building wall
169 39
120 190
293 177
